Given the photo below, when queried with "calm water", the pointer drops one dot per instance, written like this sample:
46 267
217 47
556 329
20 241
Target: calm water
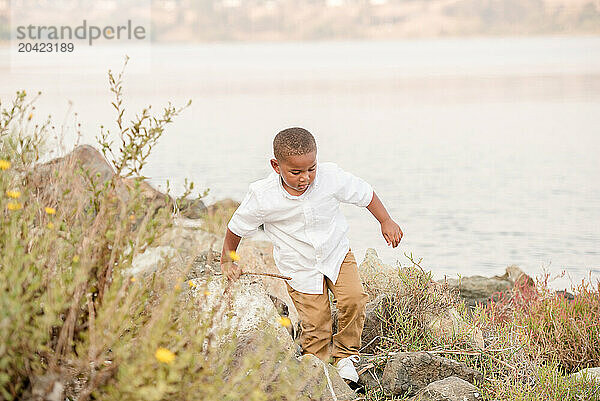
485 151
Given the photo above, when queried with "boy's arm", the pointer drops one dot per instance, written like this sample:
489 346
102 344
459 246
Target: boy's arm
390 230
229 267
244 222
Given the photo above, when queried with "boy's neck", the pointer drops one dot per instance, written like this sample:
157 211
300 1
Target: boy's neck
289 190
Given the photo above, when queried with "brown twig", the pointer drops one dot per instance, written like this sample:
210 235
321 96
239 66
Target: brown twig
263 274
269 275
472 353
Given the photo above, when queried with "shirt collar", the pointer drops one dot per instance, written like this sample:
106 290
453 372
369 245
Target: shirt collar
309 190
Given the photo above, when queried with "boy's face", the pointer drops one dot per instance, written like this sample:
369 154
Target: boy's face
297 172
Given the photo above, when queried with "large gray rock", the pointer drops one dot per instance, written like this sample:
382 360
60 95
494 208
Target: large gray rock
449 389
245 316
153 198
242 314
55 177
377 277
76 173
257 256
479 289
374 324
409 372
177 248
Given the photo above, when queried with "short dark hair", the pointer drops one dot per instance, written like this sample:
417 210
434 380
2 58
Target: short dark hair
293 141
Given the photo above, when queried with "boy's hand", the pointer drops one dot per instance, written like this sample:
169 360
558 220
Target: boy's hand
231 269
391 232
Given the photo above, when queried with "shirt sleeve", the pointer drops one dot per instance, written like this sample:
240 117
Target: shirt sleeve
352 189
248 217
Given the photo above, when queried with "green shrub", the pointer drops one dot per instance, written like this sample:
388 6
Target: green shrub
405 316
552 327
538 337
71 315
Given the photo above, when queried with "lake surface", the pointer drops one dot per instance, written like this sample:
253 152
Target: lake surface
485 151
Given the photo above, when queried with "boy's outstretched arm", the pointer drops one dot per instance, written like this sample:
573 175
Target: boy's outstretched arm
390 230
229 268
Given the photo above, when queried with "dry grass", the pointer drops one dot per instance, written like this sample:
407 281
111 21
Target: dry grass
218 215
533 338
73 318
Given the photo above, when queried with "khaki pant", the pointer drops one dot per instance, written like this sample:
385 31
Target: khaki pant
315 314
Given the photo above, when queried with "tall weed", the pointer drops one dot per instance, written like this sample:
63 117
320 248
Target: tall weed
72 319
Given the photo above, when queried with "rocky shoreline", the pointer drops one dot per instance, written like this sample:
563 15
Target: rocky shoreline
258 304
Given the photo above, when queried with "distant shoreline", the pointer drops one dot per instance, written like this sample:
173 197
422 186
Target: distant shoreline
7 43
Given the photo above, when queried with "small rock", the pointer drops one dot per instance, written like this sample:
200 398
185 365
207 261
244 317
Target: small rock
370 371
515 275
409 372
449 324
449 389
479 289
565 294
47 388
223 206
589 374
192 208
327 384
373 325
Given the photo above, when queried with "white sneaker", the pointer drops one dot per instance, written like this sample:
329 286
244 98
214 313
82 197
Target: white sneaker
346 368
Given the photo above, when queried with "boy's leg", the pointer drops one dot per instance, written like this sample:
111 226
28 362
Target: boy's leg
315 321
351 301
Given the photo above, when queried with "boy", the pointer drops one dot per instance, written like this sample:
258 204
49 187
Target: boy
299 206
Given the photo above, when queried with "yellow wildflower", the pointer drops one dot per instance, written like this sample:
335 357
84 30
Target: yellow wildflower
285 321
132 217
234 256
4 164
30 117
50 210
13 194
75 259
164 355
132 279
177 287
14 206
50 225
206 293
192 284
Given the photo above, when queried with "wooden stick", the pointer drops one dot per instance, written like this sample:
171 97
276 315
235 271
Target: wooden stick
269 275
262 274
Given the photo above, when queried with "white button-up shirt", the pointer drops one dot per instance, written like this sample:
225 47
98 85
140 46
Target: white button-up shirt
308 231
